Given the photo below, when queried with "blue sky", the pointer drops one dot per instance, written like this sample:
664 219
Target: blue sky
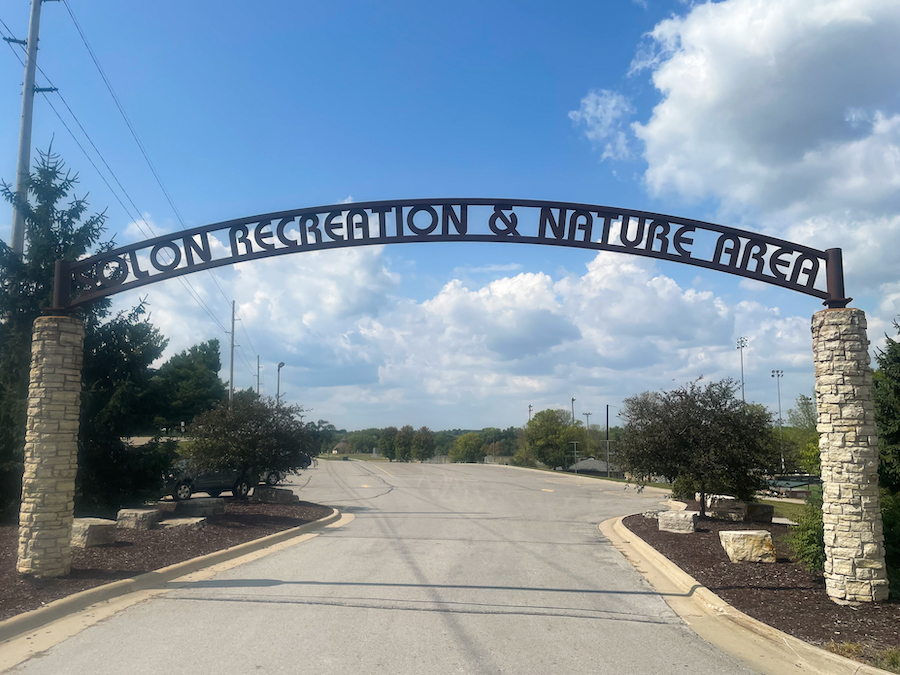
781 118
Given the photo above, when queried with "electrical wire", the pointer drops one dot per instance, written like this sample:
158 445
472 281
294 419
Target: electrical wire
136 218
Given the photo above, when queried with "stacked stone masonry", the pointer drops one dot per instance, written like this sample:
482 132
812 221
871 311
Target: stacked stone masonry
51 447
848 444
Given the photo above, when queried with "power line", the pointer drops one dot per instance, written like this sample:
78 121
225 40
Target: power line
134 134
135 216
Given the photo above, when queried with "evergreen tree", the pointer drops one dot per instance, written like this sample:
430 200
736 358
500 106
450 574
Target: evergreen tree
887 413
186 385
118 350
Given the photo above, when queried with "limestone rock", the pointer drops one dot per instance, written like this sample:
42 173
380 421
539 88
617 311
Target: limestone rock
138 519
759 513
188 523
272 495
748 545
88 532
726 508
201 506
682 522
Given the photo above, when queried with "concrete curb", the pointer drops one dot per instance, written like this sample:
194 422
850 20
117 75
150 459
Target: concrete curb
761 647
76 602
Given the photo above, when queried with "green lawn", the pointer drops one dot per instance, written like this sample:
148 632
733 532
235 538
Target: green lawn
785 509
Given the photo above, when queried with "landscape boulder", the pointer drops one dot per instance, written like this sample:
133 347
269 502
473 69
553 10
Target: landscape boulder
759 513
726 508
200 506
187 523
681 522
89 532
273 495
748 545
138 519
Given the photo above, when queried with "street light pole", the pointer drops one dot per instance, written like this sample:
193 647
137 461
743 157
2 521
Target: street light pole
573 411
607 440
778 374
278 386
587 426
575 443
741 343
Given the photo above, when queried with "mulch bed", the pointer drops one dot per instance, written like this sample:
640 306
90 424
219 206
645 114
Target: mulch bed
782 594
138 551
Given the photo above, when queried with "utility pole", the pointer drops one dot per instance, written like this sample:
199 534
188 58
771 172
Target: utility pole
231 372
741 343
24 166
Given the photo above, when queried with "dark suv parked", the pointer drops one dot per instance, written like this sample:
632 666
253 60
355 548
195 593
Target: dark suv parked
183 483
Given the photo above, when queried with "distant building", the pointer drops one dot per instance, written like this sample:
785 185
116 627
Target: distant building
596 467
342 448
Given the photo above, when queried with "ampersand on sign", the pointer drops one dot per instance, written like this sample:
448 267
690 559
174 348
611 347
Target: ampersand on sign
509 220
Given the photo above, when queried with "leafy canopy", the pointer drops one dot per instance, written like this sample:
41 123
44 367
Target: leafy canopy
702 434
255 436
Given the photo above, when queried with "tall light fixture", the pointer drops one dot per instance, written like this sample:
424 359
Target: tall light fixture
741 343
278 386
778 374
573 411
587 426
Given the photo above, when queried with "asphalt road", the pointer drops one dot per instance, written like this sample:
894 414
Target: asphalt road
445 569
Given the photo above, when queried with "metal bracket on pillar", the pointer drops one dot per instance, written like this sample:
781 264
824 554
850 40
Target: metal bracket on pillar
834 277
62 289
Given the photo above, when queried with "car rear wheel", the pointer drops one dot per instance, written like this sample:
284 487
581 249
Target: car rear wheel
182 491
241 488
272 478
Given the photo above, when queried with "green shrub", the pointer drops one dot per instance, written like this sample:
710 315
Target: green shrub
807 537
684 488
890 516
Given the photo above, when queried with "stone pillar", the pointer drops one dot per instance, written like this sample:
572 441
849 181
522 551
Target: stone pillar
848 446
51 447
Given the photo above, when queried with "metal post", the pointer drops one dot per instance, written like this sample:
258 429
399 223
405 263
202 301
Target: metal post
24 166
741 343
231 371
834 278
587 426
607 440
278 387
573 411
778 374
575 443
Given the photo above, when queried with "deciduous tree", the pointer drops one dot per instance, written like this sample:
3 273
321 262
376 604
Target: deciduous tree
423 444
550 434
255 435
702 434
468 448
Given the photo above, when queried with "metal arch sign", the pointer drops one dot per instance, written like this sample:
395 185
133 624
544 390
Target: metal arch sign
601 228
